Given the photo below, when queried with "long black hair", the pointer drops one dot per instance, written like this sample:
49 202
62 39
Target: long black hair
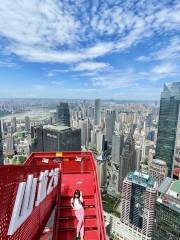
77 192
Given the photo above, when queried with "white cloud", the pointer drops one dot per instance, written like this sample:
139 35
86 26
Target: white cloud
143 58
72 31
166 68
50 74
58 83
42 23
128 78
41 55
87 74
86 66
168 18
164 71
7 63
116 79
90 66
54 72
170 51
40 87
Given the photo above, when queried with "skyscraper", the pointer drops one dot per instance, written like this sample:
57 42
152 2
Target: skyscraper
1 146
100 142
109 125
63 114
117 147
97 117
84 125
13 124
123 161
167 211
90 112
55 138
167 127
138 202
27 123
4 127
9 144
101 171
127 159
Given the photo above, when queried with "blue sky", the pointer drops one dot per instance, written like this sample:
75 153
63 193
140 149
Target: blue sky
87 49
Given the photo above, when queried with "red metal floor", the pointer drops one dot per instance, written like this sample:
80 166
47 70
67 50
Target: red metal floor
67 220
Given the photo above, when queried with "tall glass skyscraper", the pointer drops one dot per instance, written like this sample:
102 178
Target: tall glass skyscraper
167 127
63 114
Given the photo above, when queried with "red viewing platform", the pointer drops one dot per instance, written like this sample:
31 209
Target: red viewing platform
42 188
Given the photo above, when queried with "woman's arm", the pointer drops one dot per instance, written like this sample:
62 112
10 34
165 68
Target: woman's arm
81 197
72 205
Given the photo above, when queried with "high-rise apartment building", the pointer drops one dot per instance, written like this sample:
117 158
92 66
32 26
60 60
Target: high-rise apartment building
63 114
168 122
167 211
50 138
138 202
109 125
97 112
1 146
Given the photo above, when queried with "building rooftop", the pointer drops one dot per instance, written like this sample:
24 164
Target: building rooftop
164 185
170 193
142 179
56 127
175 186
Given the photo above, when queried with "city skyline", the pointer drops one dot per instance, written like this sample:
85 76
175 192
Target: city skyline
71 50
122 138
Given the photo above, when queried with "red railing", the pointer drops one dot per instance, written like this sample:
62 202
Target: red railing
100 207
11 177
99 202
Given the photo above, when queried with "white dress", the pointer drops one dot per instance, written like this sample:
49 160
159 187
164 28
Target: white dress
76 203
